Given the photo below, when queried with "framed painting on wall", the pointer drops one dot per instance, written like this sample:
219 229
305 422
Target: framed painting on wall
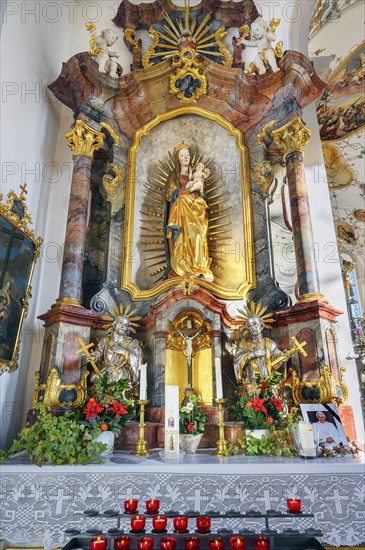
19 252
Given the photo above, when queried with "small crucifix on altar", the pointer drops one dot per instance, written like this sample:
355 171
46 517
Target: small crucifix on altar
189 334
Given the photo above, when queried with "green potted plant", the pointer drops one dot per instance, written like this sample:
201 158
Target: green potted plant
191 424
106 410
258 406
57 440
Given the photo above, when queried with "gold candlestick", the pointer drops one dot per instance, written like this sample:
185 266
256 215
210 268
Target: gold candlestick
221 443
141 445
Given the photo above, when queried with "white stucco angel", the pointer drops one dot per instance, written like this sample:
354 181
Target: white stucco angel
262 35
99 50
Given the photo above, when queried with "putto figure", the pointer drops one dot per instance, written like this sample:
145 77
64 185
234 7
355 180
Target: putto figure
99 50
117 353
262 35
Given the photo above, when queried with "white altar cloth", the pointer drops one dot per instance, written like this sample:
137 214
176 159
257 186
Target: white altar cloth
40 503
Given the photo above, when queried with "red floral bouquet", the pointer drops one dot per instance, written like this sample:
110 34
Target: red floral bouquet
258 405
106 407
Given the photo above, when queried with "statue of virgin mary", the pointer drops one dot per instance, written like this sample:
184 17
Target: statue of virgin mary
186 222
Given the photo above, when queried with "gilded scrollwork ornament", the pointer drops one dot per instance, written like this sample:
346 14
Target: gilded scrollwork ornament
264 175
112 179
189 82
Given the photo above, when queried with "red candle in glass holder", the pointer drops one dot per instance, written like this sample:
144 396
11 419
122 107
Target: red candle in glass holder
192 543
294 505
159 523
237 543
145 543
216 543
203 524
261 543
131 506
180 524
138 523
122 543
152 506
98 543
168 543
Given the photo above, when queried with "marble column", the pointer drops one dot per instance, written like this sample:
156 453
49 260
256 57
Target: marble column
292 139
84 141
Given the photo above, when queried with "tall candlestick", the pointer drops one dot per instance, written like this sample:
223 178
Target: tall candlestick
143 382
218 378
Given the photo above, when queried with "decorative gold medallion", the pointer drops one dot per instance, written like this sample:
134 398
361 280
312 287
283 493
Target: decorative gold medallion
189 82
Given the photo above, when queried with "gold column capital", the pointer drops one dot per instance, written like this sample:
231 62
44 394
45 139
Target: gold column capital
84 140
292 137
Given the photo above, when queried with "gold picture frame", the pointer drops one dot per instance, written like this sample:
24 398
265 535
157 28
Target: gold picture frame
19 253
247 268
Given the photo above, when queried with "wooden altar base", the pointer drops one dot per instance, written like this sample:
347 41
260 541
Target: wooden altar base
38 504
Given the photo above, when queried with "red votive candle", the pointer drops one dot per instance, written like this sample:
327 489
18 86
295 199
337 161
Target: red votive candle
131 506
138 523
159 523
98 543
192 543
145 543
203 524
261 543
168 543
216 543
294 505
181 524
152 506
237 543
122 543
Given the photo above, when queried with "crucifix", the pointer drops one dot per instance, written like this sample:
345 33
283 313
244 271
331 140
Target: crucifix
189 334
13 234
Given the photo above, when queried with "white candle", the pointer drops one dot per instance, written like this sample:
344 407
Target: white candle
143 382
171 421
305 430
218 378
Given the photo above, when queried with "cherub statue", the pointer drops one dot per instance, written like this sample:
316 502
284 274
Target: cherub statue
197 179
99 50
262 35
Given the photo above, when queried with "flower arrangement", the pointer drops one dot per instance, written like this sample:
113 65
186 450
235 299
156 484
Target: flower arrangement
258 406
106 407
192 419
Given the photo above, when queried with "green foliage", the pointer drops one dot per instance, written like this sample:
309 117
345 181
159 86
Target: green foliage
57 440
257 404
279 442
192 419
106 408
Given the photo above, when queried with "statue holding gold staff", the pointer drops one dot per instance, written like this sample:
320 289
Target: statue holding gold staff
255 356
117 353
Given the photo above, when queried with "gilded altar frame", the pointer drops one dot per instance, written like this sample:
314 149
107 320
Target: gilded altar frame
17 262
249 274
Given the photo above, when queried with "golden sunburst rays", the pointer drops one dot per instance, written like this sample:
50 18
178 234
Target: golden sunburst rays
152 228
129 312
256 310
219 224
171 36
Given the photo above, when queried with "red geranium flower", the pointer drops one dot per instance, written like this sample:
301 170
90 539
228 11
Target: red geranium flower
92 409
263 387
190 428
118 409
277 403
258 404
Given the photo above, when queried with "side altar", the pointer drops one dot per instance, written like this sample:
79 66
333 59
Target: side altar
176 160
